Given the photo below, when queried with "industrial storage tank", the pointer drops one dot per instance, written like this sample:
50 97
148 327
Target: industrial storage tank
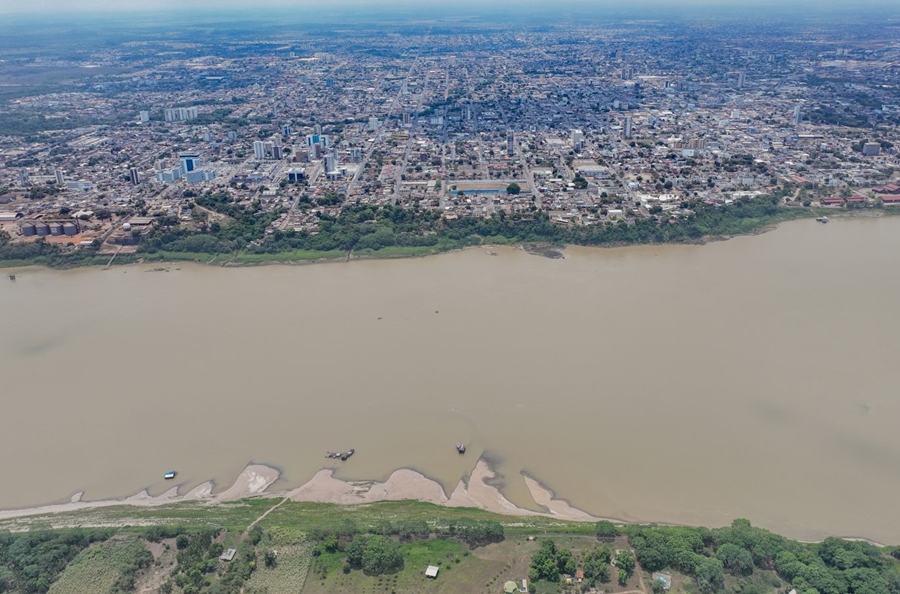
56 229
42 229
28 229
70 229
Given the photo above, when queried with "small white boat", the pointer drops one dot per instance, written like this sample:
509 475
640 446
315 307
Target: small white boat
170 475
822 219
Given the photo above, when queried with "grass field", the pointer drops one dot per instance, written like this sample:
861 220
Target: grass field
293 555
96 569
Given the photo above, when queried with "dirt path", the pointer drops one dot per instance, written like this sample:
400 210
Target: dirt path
266 513
640 573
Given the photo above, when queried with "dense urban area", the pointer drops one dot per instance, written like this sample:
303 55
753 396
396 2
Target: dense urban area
305 142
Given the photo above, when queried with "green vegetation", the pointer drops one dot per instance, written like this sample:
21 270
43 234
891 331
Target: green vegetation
386 546
291 555
833 567
596 565
199 569
388 232
550 561
30 562
375 555
105 568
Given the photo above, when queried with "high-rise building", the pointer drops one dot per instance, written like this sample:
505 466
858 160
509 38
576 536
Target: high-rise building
407 119
741 79
577 139
798 115
189 162
145 116
356 154
180 114
135 175
60 176
23 177
373 123
628 73
314 139
286 130
259 150
628 123
510 143
331 161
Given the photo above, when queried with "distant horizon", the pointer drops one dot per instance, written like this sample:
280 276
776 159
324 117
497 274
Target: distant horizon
113 7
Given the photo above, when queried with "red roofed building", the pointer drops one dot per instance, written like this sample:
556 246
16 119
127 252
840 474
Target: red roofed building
831 201
891 199
888 189
856 199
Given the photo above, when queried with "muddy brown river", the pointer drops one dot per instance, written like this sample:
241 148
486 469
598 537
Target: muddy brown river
756 377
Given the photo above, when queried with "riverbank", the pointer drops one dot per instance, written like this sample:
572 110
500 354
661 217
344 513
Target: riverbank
403 484
684 232
250 490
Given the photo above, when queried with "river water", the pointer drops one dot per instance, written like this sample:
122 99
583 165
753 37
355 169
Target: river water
756 377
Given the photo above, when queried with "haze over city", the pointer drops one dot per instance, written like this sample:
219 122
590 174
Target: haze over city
346 8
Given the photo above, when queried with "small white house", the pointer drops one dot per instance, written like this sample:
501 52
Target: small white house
432 571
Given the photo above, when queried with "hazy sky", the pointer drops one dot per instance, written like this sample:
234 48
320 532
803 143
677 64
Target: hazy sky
57 6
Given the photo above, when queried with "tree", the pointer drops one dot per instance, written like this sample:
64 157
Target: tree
710 575
606 529
513 189
543 563
737 561
625 561
381 556
596 564
255 535
269 558
565 561
355 551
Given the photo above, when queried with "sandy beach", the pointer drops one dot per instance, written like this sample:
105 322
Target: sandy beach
402 484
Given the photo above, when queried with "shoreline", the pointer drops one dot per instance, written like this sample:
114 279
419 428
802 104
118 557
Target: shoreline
323 487
283 259
403 484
